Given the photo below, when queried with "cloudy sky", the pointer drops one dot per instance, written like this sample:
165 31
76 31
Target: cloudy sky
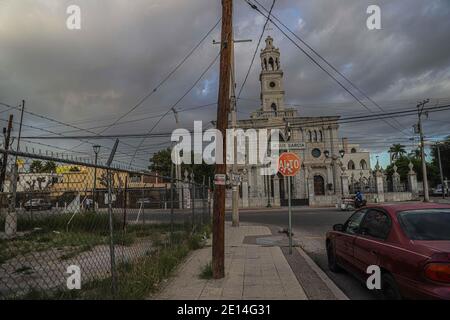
91 77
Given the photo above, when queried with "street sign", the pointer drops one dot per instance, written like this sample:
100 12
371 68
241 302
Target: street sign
292 145
220 179
289 164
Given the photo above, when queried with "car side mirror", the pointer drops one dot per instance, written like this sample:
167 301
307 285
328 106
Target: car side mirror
338 227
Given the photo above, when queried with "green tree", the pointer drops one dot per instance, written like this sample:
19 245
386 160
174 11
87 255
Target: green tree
444 147
162 160
36 166
49 167
403 168
397 151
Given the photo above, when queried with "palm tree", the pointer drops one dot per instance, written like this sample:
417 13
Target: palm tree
414 154
397 150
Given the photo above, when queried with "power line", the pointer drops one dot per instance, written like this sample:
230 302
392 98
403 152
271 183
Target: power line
302 122
326 61
175 104
165 79
146 114
52 132
256 51
253 6
141 119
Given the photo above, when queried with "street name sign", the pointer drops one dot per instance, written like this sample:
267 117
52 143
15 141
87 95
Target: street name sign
293 145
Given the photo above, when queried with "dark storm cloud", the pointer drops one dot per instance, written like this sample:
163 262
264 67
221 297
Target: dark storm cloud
126 47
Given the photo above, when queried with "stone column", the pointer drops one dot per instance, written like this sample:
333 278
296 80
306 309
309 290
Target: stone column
296 192
311 188
244 187
285 182
253 194
335 154
259 182
344 179
276 191
329 178
412 181
395 180
379 182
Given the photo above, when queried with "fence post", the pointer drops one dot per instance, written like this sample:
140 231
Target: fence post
11 217
143 206
125 203
203 201
172 185
111 235
193 199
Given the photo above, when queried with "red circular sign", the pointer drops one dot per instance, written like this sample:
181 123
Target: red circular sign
289 164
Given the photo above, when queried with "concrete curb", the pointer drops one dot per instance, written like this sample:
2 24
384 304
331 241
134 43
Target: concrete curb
338 293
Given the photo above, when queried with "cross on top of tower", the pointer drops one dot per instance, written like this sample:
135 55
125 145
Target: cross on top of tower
269 43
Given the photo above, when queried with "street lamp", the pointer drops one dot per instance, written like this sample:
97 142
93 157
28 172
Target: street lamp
94 190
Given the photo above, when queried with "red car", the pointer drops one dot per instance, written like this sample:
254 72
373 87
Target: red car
409 242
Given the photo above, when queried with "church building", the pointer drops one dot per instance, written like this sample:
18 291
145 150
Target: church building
325 157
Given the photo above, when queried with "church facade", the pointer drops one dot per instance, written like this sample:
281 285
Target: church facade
325 157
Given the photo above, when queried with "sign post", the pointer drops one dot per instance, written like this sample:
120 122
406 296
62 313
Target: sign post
289 165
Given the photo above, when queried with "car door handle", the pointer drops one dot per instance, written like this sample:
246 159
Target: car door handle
373 252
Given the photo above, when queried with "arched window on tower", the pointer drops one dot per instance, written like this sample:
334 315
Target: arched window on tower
351 165
320 136
363 165
272 63
277 62
309 136
315 135
273 107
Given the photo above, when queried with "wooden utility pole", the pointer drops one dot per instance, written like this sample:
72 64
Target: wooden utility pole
426 195
218 248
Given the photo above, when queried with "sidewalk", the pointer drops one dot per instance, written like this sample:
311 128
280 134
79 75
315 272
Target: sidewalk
252 271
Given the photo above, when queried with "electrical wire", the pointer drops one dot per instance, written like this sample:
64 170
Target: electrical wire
253 6
175 104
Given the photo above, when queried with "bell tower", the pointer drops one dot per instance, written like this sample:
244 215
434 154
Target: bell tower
271 78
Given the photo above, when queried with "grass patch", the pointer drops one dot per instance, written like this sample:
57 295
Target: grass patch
86 231
206 272
140 278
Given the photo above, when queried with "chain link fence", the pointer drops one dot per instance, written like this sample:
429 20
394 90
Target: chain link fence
60 218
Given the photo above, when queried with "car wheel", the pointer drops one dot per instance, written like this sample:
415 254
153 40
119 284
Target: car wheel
331 255
389 288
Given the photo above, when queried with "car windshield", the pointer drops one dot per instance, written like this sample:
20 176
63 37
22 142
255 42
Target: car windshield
429 224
